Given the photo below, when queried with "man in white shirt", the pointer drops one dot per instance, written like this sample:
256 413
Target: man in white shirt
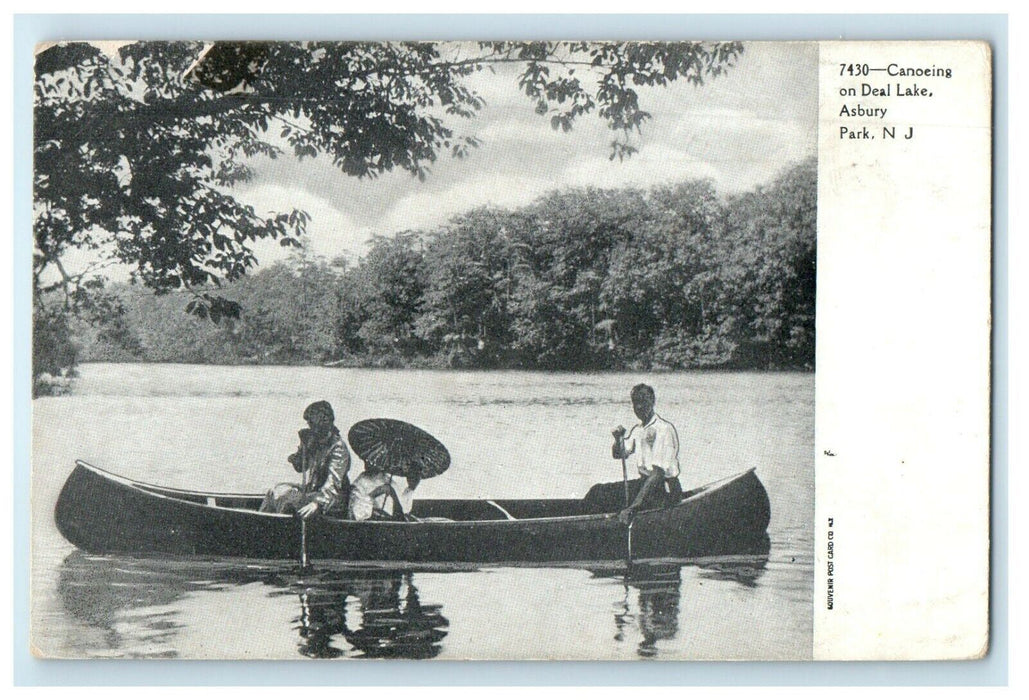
655 444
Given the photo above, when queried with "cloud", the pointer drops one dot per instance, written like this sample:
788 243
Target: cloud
330 232
656 164
428 209
739 130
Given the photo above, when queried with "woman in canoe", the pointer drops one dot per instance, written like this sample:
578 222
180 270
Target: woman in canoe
323 461
374 496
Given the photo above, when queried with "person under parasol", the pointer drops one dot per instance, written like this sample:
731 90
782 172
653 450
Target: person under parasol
391 448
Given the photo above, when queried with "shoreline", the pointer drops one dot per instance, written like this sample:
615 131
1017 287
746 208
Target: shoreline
468 370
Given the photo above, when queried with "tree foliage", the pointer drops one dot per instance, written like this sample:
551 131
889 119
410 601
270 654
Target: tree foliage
291 312
470 277
136 152
391 280
670 277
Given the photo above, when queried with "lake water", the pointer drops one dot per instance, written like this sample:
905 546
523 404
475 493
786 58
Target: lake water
510 435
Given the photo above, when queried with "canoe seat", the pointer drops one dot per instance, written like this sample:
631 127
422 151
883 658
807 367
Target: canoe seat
435 520
502 510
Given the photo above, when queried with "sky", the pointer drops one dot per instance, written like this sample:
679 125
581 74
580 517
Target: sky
739 129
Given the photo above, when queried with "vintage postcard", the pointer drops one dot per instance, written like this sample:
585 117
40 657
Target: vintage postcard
511 350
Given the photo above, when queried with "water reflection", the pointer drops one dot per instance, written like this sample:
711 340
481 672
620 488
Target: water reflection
657 606
166 609
138 605
745 572
393 623
658 588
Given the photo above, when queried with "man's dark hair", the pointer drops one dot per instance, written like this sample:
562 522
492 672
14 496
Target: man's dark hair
641 391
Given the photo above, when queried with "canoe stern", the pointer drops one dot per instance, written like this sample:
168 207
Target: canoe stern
731 518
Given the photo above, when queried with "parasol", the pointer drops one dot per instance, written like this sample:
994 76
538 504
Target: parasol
398 448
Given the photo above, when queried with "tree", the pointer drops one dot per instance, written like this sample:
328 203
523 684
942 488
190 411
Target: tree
392 282
53 349
769 262
677 277
656 287
469 281
558 307
136 152
288 312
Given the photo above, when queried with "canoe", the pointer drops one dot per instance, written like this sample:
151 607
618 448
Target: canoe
103 513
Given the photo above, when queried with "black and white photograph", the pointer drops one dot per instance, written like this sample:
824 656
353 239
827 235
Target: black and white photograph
401 350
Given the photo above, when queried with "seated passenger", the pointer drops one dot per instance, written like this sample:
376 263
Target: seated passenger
372 496
405 498
323 460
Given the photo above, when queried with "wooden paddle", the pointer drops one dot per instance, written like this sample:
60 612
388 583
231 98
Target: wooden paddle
625 482
625 471
303 524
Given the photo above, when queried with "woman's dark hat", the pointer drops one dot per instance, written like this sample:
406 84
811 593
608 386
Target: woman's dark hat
322 407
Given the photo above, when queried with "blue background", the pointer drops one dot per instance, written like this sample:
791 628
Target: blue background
30 29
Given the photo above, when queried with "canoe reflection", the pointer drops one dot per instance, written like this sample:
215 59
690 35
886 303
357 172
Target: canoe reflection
379 615
344 612
745 572
659 594
165 608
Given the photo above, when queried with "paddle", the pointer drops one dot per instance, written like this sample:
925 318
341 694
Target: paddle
619 434
303 544
303 525
628 545
625 471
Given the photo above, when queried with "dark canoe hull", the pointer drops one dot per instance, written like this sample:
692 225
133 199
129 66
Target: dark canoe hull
102 513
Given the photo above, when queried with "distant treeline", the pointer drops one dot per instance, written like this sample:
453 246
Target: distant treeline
669 277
